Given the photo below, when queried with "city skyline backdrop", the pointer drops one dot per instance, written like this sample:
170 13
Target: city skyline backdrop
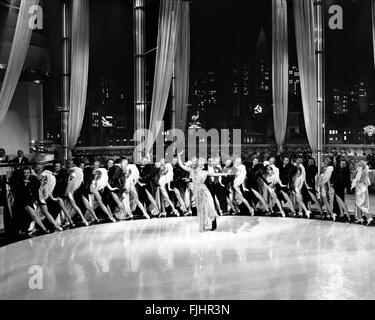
231 71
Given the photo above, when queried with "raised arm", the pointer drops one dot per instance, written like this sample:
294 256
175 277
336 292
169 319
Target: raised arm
222 174
181 164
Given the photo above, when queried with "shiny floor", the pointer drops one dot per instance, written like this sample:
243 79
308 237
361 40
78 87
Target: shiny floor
247 258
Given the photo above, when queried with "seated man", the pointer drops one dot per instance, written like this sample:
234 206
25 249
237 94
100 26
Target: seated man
20 159
3 157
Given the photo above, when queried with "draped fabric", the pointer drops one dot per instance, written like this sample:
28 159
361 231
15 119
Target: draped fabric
305 27
169 17
373 26
280 69
79 69
182 68
18 52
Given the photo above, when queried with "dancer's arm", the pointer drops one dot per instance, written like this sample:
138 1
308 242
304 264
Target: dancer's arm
181 164
110 188
213 174
357 178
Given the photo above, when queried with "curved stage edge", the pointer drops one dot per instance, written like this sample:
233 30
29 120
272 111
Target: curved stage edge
247 258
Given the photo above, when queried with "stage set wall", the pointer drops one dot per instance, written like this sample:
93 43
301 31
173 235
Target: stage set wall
24 119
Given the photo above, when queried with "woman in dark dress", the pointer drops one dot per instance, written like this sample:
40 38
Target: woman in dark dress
26 195
256 181
228 184
311 172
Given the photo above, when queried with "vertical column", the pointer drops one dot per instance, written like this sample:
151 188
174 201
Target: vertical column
65 80
173 99
319 10
139 65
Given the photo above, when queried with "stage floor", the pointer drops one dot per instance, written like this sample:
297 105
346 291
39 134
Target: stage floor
247 258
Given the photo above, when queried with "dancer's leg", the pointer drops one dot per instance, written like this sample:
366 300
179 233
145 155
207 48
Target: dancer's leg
164 194
77 209
61 204
302 205
134 195
274 198
99 200
45 211
89 208
179 199
242 198
34 216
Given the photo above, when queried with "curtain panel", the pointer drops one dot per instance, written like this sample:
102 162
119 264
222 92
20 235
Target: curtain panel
79 69
17 57
280 69
169 23
305 30
373 26
182 68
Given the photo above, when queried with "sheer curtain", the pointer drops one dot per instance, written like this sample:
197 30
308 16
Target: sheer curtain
373 26
18 52
79 68
305 27
280 69
182 67
169 17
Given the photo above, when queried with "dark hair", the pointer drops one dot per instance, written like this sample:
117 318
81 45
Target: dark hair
27 168
2 149
253 158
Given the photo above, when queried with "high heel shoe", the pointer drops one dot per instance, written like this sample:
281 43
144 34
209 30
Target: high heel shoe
176 213
334 216
308 214
58 228
112 219
46 231
214 225
85 222
283 214
369 221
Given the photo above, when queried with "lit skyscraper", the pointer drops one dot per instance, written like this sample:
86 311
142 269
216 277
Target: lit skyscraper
204 98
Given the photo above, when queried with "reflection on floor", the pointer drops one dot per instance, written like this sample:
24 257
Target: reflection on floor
247 258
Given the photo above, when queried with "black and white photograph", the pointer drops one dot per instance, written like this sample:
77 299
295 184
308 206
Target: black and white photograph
185 154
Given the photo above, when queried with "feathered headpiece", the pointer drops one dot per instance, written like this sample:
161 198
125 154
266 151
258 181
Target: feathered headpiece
103 178
76 178
50 183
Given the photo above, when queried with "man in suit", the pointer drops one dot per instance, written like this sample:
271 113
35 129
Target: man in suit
341 181
20 159
216 187
286 171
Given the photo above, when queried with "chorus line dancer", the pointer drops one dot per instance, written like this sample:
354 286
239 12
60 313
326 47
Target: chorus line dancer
255 182
166 178
228 185
273 181
132 179
145 188
72 193
299 181
178 185
239 184
361 183
323 186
